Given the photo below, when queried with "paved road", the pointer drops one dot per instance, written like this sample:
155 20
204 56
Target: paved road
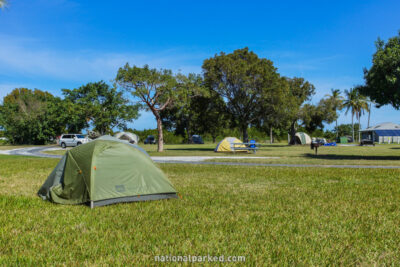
38 152
30 151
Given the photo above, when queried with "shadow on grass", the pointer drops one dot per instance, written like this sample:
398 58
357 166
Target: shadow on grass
395 148
271 146
190 149
350 157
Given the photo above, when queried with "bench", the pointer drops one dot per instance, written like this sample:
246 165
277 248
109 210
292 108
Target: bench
248 147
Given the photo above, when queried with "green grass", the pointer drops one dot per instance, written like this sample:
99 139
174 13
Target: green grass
273 216
350 155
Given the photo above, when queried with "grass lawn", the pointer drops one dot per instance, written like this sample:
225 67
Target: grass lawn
281 216
348 155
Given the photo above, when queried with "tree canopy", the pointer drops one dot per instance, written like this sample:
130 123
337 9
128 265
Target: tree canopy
300 91
31 116
156 90
383 78
243 80
100 104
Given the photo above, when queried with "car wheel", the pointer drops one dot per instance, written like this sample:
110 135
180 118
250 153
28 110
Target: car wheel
63 145
78 144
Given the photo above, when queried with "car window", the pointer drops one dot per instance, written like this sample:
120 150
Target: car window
80 136
66 136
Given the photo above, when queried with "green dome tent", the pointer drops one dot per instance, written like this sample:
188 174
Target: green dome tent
106 171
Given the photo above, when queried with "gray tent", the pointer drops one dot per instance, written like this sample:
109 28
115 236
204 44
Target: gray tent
130 137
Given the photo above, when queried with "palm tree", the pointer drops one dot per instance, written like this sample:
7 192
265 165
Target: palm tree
369 110
3 3
357 103
350 104
362 105
337 101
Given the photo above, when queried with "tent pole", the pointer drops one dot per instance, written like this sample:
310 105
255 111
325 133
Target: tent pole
91 205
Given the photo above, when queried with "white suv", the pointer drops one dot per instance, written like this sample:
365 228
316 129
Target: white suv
72 140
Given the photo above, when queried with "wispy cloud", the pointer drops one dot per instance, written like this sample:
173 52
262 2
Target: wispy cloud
27 58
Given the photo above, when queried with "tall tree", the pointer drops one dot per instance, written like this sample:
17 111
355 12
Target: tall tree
31 116
313 117
350 103
102 105
275 113
370 102
156 89
362 106
337 102
241 78
383 78
357 103
182 115
210 115
300 91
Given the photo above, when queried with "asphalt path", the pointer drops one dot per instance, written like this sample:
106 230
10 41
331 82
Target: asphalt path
38 152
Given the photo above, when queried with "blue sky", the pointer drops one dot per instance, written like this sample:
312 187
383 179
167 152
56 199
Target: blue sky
55 44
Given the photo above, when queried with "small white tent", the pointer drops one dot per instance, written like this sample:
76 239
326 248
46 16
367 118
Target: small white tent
130 137
303 138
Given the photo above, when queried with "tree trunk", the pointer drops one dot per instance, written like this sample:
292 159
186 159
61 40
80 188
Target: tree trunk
214 138
359 128
337 131
292 133
160 145
270 135
189 131
352 124
369 113
245 135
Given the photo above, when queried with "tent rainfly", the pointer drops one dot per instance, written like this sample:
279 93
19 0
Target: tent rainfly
303 138
130 137
228 144
106 171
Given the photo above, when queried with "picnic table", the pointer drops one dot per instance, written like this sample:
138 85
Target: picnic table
250 147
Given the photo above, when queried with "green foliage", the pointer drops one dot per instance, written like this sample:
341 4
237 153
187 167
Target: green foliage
98 103
184 116
346 129
245 81
31 116
300 91
357 103
202 114
383 78
156 90
313 117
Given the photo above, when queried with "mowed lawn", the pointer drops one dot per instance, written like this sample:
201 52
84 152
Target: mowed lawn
272 216
387 155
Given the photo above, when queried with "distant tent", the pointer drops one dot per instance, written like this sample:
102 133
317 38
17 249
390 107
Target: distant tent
228 144
303 138
106 171
130 137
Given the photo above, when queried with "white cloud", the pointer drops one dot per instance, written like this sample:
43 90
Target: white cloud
27 58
